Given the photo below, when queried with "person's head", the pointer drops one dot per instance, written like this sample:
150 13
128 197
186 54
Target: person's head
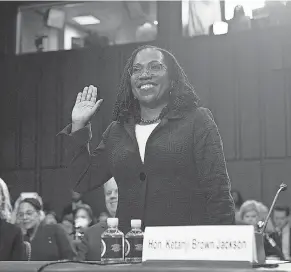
83 216
111 196
50 218
76 197
5 204
249 212
280 217
152 77
237 198
238 11
29 213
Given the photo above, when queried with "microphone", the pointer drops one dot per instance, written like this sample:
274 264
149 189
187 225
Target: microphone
282 188
263 224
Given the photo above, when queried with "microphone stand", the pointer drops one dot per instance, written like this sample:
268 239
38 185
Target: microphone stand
283 187
262 225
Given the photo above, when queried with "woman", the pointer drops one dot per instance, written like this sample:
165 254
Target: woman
11 240
250 213
83 219
48 242
164 151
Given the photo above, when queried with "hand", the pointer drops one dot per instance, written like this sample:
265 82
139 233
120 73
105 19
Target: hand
85 107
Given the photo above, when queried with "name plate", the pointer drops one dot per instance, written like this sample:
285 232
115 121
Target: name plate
216 243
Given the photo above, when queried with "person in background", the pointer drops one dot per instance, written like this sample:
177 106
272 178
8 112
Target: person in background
83 219
76 201
281 235
14 219
68 225
238 201
103 217
164 150
249 213
89 248
239 21
11 240
111 196
50 218
47 242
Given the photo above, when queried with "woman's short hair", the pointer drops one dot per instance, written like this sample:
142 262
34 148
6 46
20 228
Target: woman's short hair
5 204
248 206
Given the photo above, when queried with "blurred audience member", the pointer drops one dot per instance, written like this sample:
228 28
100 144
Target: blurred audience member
89 248
111 196
68 225
48 242
50 218
83 218
11 240
239 21
281 235
23 196
238 201
249 213
76 200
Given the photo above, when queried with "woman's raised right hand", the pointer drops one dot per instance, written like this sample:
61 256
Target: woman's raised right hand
85 107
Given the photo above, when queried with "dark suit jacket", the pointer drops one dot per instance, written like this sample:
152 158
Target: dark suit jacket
51 243
271 251
11 242
89 249
183 180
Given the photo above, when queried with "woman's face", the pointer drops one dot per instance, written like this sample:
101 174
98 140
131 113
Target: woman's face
251 218
82 218
149 78
28 216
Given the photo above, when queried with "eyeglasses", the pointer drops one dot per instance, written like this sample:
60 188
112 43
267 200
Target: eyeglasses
153 68
28 214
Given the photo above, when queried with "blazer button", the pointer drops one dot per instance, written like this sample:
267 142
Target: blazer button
142 176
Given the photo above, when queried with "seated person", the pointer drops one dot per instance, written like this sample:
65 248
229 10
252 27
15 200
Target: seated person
281 235
76 201
249 213
11 240
90 247
47 242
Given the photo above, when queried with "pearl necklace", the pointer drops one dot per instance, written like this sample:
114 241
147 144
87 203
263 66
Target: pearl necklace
149 122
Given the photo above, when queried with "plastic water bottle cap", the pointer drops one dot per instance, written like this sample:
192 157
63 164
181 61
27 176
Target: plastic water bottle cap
135 223
112 222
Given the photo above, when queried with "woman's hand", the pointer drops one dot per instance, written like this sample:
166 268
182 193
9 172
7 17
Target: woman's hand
85 107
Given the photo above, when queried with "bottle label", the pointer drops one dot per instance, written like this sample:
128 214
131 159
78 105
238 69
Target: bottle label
133 247
111 248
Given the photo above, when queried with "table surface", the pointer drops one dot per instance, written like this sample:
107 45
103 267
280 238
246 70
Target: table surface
161 267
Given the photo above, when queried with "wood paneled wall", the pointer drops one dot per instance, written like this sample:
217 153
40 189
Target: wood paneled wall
245 79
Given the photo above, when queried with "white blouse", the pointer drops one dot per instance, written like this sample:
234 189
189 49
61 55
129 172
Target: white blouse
142 133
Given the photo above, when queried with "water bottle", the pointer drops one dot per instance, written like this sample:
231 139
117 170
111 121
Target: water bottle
112 243
134 243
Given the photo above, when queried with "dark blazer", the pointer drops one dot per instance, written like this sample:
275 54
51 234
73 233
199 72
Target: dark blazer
273 251
89 249
11 242
183 180
51 243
